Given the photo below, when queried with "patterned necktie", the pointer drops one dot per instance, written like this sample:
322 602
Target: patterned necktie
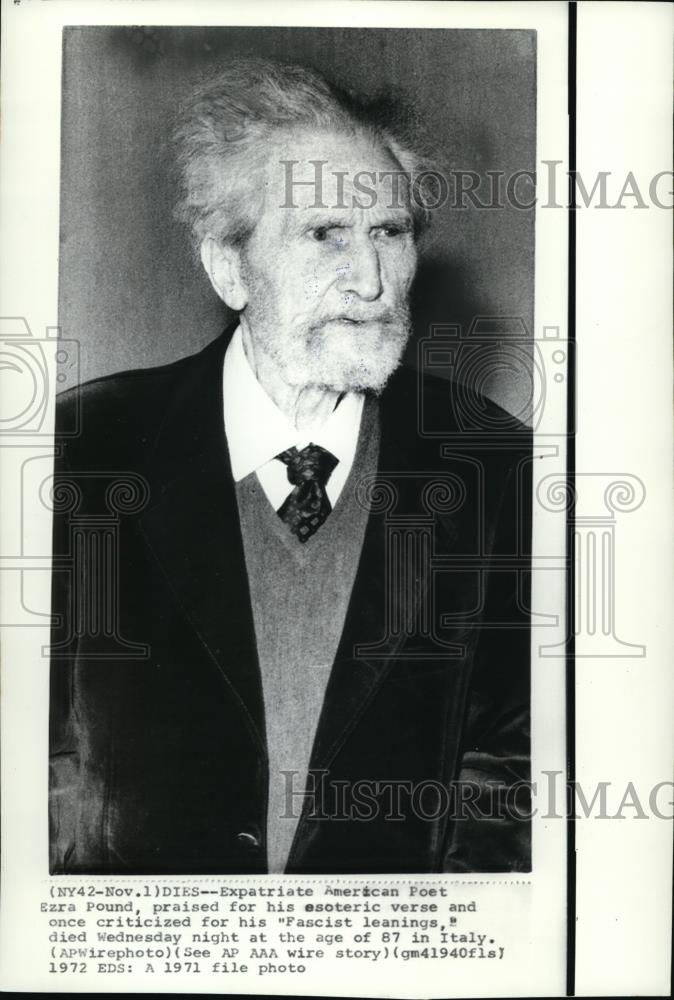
307 507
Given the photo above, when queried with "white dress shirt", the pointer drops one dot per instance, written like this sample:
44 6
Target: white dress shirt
257 430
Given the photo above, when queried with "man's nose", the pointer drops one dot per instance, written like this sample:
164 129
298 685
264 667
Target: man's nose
360 272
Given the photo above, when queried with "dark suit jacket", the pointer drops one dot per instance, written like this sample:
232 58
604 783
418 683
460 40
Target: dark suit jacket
157 731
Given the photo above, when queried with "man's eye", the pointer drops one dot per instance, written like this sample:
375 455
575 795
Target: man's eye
392 230
333 235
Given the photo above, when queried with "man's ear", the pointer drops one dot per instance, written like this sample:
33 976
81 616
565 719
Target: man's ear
222 264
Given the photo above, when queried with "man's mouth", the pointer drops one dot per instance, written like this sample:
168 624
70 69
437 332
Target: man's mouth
360 320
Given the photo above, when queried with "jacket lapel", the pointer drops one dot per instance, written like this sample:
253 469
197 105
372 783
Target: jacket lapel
192 527
368 647
354 679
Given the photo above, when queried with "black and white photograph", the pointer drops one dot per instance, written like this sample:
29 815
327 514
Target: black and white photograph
291 569
330 591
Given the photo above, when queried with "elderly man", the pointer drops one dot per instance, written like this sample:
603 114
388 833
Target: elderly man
314 655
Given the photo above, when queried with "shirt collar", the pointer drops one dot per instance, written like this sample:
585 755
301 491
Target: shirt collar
257 430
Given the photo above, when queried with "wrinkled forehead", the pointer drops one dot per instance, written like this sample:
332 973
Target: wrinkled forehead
335 170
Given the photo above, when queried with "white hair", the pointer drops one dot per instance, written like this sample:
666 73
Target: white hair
227 127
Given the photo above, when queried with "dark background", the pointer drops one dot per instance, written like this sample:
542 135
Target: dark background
131 290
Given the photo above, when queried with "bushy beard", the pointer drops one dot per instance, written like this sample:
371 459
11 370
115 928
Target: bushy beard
336 354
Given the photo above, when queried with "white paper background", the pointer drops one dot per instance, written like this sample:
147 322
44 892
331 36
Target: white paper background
624 330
